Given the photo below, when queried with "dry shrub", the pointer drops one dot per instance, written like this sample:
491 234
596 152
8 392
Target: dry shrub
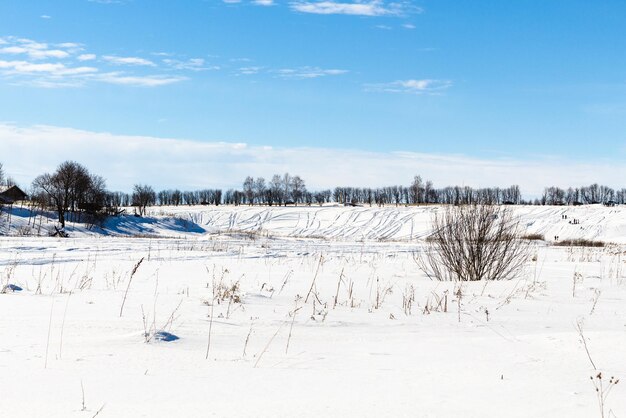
227 292
474 242
534 237
580 242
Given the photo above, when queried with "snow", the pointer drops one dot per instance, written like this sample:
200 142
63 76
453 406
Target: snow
515 352
329 222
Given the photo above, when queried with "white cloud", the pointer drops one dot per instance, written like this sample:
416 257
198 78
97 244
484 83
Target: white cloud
193 64
249 70
263 2
54 69
76 71
135 61
424 86
69 45
139 81
27 67
86 57
359 8
164 163
45 17
408 26
27 62
47 75
308 72
34 51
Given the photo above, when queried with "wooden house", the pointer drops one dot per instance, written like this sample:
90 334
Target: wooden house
12 194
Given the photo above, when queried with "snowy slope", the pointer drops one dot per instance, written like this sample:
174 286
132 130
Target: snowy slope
596 222
392 223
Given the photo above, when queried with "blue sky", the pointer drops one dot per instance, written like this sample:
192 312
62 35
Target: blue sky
487 80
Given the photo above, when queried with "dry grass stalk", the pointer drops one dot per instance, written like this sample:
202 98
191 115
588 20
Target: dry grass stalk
130 279
314 278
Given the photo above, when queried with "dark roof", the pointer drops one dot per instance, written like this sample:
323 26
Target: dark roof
11 194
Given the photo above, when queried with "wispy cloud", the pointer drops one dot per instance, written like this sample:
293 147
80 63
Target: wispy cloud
193 64
308 72
53 69
36 149
140 81
27 62
32 49
47 75
424 86
70 45
300 73
248 70
358 8
45 17
128 61
86 57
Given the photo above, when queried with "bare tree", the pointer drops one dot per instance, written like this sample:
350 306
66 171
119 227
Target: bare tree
416 190
1 175
474 242
68 188
143 196
298 189
276 190
260 190
286 187
248 189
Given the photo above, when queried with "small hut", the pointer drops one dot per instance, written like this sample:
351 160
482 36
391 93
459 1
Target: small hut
11 194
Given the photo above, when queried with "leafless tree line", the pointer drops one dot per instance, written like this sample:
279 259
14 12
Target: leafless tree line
280 190
291 190
169 197
73 190
592 194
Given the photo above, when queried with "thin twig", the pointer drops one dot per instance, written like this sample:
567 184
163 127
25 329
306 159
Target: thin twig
267 346
67 302
579 327
314 277
293 319
45 366
99 410
208 345
128 287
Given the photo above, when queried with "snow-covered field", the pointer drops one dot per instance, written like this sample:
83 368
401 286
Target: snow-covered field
322 312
